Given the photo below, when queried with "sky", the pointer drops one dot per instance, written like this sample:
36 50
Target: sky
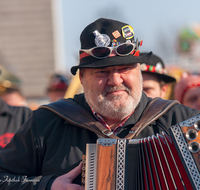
156 22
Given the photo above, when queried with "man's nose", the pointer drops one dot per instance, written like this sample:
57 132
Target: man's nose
115 79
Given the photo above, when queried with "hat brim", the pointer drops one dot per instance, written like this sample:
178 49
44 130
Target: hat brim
111 61
163 77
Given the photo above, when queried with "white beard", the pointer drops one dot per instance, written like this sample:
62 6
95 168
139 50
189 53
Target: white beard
114 106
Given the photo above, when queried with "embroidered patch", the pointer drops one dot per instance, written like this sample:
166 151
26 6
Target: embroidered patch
116 34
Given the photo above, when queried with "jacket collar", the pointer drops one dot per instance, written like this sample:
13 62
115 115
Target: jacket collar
80 99
135 117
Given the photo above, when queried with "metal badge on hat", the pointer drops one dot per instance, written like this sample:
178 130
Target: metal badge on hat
127 32
143 67
128 41
101 39
159 68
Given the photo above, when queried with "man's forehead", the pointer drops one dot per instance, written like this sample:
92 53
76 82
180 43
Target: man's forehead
117 66
150 76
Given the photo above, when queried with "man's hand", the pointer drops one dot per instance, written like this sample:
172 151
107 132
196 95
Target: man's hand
64 182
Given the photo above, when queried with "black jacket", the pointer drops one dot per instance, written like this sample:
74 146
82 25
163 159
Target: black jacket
47 146
11 119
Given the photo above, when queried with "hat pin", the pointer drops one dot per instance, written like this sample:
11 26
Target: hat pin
101 39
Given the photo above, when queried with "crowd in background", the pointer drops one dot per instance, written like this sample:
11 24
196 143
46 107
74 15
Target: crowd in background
172 83
159 80
177 84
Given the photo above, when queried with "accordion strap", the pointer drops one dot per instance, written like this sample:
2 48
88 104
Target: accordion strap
77 115
155 109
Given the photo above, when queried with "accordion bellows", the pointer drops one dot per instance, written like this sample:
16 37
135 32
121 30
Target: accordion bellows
155 162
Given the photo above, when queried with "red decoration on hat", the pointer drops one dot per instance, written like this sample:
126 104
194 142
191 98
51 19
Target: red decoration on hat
137 53
151 68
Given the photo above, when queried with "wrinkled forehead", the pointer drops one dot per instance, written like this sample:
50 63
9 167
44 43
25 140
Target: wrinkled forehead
134 65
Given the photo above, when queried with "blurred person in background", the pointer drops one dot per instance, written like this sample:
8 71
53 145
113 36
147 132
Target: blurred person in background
13 97
57 87
155 78
187 91
10 88
74 87
11 119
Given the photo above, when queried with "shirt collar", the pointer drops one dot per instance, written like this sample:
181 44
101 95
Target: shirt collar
102 121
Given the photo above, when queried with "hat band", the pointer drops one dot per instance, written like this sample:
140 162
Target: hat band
153 69
134 53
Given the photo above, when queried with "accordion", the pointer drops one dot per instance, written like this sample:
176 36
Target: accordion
155 162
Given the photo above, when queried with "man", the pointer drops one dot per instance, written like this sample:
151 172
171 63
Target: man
11 119
155 78
48 148
10 91
187 91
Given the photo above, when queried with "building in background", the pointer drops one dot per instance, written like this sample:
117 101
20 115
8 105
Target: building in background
35 38
27 43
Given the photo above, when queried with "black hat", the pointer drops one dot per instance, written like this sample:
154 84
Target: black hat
115 33
155 65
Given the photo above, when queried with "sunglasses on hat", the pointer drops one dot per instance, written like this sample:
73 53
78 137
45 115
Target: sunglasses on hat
101 52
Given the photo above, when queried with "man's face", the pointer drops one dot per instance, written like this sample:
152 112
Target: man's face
151 86
191 98
113 92
14 99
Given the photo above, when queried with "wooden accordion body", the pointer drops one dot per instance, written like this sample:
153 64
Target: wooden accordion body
156 162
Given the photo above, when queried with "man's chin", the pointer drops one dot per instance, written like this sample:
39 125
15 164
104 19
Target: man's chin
111 97
116 105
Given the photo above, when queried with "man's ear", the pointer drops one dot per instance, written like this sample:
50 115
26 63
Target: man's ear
164 90
81 75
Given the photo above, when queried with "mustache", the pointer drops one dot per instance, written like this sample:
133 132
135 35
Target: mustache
115 88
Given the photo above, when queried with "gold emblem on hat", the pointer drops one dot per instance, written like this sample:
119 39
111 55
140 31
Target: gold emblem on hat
127 32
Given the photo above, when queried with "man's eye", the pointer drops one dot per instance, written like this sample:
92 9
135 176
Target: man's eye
192 99
147 89
102 72
124 69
